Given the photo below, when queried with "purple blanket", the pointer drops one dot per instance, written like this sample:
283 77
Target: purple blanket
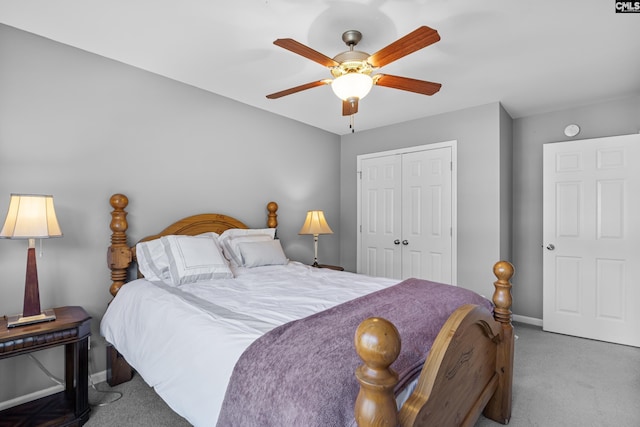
302 373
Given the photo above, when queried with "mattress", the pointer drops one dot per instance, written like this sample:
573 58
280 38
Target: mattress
184 341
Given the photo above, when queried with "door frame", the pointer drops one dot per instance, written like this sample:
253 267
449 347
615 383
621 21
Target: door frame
453 144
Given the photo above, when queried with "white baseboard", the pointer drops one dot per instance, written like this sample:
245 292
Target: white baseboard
528 320
95 379
98 377
29 397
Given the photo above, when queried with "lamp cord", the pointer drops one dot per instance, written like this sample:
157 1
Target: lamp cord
46 371
93 386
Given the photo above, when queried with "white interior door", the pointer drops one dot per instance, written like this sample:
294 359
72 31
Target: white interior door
591 242
406 213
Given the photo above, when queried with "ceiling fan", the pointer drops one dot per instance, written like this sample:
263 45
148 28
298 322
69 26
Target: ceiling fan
352 70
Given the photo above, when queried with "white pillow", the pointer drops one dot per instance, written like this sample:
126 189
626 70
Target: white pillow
230 238
232 251
256 254
193 258
153 261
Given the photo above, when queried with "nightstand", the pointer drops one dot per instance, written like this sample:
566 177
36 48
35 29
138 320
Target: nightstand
69 407
332 267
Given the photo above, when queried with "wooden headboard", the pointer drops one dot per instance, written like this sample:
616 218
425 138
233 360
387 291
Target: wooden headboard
120 255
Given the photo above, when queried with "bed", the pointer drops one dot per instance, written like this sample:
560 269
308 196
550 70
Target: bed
280 343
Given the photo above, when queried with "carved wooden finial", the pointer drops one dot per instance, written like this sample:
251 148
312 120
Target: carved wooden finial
378 344
272 217
118 215
119 253
119 201
502 300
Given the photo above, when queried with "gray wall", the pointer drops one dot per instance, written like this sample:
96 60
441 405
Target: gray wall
617 117
483 146
82 127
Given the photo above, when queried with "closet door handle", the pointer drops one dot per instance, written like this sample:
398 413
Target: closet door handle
405 242
396 242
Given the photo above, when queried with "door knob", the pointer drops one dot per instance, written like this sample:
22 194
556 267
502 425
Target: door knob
551 246
396 242
405 242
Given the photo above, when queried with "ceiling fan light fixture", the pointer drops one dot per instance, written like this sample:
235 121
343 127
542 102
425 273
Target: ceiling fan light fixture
352 85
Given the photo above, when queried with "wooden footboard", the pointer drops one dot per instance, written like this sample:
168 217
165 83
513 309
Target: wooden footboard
469 368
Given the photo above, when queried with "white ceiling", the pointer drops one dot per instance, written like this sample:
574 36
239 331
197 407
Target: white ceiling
532 56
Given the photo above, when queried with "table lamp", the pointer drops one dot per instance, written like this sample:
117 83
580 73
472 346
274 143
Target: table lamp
315 224
31 216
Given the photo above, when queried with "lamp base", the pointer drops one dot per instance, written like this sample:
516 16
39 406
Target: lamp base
18 320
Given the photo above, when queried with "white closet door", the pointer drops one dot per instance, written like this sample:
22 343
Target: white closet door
406 215
381 198
426 215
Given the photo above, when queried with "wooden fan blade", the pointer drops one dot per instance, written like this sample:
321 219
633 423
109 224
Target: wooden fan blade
404 83
306 51
350 107
416 40
298 88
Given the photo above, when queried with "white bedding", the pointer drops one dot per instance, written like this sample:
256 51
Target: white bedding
184 341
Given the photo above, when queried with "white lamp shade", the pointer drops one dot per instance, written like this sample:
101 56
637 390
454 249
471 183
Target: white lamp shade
31 216
315 224
352 85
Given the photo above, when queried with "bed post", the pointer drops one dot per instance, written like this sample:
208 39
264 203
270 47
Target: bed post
119 253
499 407
272 216
118 260
378 344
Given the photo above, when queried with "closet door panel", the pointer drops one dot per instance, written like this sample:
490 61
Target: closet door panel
426 215
381 217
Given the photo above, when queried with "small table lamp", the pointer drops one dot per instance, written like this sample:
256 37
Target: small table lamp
31 216
315 224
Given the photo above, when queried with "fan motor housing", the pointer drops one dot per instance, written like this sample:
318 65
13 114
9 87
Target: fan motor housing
351 61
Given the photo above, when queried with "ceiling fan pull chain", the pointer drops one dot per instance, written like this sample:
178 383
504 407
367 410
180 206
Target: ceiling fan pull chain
351 124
